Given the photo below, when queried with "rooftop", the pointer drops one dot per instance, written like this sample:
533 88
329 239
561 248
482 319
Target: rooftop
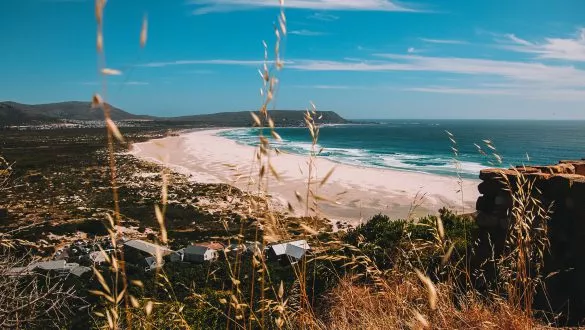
148 247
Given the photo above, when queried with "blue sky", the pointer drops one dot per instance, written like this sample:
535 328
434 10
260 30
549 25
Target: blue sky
361 58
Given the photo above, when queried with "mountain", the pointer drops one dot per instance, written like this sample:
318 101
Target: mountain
12 113
243 118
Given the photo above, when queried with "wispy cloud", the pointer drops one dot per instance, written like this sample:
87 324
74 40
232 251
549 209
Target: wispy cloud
323 17
568 49
200 72
203 62
522 71
454 90
214 6
561 94
510 71
444 41
326 87
307 33
127 83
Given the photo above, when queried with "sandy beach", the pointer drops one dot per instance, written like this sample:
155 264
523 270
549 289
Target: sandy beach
360 192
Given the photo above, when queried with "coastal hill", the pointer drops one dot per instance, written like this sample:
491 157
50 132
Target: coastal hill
18 113
12 113
243 118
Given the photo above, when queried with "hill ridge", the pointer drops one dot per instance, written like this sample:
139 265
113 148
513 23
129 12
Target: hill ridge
14 113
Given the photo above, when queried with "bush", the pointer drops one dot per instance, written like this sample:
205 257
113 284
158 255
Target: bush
382 239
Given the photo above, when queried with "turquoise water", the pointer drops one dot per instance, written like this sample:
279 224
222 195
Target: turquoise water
424 145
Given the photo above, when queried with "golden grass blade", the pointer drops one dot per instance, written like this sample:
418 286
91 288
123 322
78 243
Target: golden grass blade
430 288
97 101
327 176
440 229
256 119
144 32
111 72
100 42
110 321
422 321
134 302
308 229
161 221
276 135
281 290
114 129
148 308
101 280
274 173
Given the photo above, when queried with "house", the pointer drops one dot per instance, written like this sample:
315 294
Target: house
144 253
177 256
60 267
202 252
288 252
99 257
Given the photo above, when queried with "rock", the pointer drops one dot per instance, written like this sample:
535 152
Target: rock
490 187
560 184
496 174
527 169
486 220
484 204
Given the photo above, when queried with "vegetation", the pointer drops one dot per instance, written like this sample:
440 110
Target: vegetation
12 113
384 274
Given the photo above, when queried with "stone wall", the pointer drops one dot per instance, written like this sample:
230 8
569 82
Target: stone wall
559 187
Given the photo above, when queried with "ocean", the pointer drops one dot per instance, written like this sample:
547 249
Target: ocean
424 145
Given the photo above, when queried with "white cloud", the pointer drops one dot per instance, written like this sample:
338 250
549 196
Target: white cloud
195 62
213 6
325 87
307 33
563 94
568 49
323 17
117 83
444 41
515 71
455 90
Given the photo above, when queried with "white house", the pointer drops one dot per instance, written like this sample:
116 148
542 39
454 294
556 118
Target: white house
290 252
199 253
145 253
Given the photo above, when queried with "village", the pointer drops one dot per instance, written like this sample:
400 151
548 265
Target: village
80 257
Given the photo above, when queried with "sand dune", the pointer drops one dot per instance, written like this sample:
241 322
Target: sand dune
360 192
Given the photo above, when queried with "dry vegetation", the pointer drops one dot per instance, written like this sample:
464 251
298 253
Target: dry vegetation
429 285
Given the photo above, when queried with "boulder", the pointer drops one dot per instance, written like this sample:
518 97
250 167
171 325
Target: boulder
527 169
484 220
496 174
485 204
564 168
490 187
561 184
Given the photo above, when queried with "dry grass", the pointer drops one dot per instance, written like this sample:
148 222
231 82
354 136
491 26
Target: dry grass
35 301
403 303
404 297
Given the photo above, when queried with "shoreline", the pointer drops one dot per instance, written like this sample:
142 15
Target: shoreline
360 192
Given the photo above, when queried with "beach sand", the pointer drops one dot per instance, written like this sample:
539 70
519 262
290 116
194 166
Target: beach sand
360 192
